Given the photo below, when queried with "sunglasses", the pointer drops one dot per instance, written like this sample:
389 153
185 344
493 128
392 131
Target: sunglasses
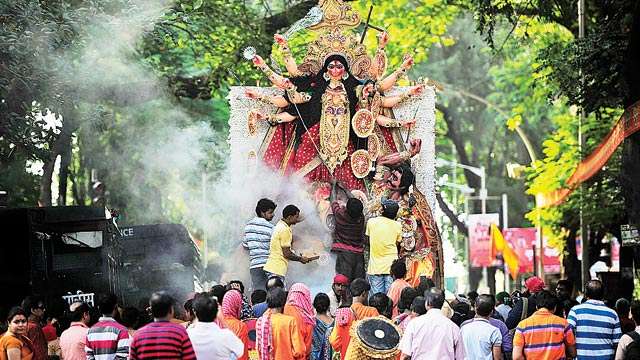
335 66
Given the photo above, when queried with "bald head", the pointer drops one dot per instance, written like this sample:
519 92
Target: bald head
434 298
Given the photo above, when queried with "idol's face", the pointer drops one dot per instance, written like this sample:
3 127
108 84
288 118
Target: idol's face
336 69
396 177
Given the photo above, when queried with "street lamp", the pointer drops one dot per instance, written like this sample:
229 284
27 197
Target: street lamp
478 171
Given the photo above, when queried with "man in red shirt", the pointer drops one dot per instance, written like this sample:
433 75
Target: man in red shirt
348 236
161 339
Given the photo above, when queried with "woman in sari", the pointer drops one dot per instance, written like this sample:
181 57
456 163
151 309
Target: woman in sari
231 310
299 306
14 345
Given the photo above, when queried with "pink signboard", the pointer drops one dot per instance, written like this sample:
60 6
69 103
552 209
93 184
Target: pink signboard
523 241
480 238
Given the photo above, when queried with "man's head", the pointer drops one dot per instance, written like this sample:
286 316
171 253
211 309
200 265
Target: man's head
80 312
484 305
130 317
291 214
108 304
622 308
339 286
390 209
34 306
381 302
276 298
502 298
218 291
236 285
265 209
564 289
434 298
258 296
359 288
635 311
354 208
161 305
205 307
321 303
406 298
418 305
545 299
398 268
594 290
274 282
534 284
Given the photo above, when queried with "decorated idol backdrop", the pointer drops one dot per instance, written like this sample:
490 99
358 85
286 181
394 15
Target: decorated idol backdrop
337 121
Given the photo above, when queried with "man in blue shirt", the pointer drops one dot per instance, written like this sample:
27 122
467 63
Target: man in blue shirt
257 239
597 328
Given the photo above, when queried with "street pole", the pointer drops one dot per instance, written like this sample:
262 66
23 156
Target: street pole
505 224
584 233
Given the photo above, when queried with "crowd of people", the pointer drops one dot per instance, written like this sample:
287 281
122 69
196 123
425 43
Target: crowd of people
282 322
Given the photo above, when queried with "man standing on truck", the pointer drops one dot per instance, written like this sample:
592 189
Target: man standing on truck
257 239
280 250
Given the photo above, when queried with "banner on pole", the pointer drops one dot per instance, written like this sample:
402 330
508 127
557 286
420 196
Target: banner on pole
522 241
627 125
480 238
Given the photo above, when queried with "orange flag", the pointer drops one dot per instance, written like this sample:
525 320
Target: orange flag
500 245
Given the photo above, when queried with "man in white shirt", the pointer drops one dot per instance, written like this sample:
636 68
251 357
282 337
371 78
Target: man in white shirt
209 341
481 339
432 335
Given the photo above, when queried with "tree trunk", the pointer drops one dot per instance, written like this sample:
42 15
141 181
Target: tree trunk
65 161
630 174
49 164
453 134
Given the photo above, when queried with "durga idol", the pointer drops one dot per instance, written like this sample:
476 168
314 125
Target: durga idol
314 136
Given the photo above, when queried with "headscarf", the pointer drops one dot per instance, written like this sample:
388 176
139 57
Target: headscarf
344 316
534 284
264 338
340 279
246 312
300 297
232 304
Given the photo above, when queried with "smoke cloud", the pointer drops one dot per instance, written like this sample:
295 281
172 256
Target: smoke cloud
161 155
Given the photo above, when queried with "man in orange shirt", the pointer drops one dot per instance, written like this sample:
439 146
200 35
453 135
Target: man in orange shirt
231 309
277 334
345 317
299 306
544 335
398 271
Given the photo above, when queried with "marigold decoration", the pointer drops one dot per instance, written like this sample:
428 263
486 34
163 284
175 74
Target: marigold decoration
252 123
373 147
363 123
360 163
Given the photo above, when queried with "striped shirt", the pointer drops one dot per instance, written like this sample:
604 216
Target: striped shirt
597 330
107 340
257 238
544 336
161 340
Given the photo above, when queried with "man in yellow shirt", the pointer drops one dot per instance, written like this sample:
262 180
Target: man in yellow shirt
280 248
384 233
